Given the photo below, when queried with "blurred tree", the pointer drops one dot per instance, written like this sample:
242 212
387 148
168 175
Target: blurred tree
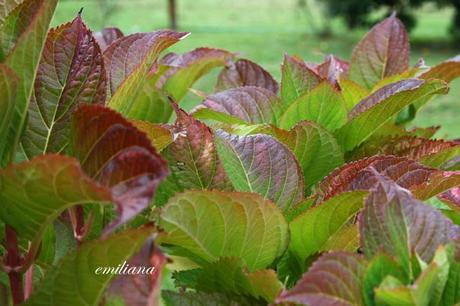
357 12
172 12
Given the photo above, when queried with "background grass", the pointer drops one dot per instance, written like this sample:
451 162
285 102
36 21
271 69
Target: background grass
263 30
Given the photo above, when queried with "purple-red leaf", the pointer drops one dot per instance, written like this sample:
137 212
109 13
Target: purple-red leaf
297 78
249 103
259 163
245 73
113 152
423 181
446 71
333 280
107 36
70 72
383 52
395 222
332 69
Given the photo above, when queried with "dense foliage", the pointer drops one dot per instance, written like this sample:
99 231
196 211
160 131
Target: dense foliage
309 191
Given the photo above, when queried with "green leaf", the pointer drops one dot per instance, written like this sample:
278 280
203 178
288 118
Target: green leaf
32 17
159 136
8 86
315 148
212 224
383 52
75 282
352 93
70 72
192 159
451 294
128 61
323 105
378 108
35 193
204 113
248 103
227 275
334 279
312 230
192 298
6 7
259 163
296 79
245 73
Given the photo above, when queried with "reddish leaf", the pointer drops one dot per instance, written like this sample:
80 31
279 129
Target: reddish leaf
383 52
395 222
140 289
333 280
452 197
192 158
332 69
446 71
70 72
249 103
423 181
136 51
297 79
112 151
246 73
107 36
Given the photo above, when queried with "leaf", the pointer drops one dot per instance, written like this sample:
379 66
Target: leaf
314 147
393 221
315 227
192 298
32 17
113 152
378 108
430 152
204 113
6 7
128 61
332 69
36 192
259 163
159 136
142 288
192 158
212 224
451 198
334 279
352 93
451 294
70 72
323 105
245 73
75 282
107 36
296 79
423 181
227 275
250 104
383 52
8 86
446 71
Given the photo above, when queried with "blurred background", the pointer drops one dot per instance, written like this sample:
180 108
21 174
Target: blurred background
263 30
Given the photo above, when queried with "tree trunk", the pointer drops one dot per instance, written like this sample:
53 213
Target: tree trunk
172 14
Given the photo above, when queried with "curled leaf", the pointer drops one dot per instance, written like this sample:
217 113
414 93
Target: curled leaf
107 36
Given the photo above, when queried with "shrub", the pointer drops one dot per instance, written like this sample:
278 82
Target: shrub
305 192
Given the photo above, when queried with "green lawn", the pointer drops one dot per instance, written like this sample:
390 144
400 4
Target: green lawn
263 30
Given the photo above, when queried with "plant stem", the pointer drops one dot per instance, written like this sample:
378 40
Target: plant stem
29 282
13 262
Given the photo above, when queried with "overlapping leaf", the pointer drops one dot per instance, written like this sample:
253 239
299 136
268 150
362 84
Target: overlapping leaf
383 52
227 275
70 72
26 27
352 93
113 152
378 108
192 159
34 193
393 221
245 73
423 181
334 279
107 36
74 281
446 71
259 163
159 136
250 104
191 298
212 224
6 7
313 229
8 86
128 61
296 79
332 69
